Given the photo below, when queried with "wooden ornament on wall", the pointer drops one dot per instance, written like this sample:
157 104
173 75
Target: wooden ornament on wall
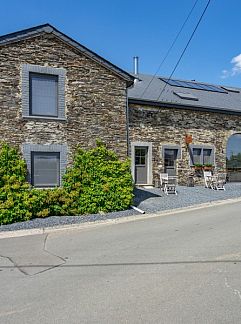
188 139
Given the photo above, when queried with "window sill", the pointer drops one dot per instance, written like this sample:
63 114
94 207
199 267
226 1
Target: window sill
45 188
44 118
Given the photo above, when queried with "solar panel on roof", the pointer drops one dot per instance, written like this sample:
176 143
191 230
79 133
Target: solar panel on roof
193 85
187 96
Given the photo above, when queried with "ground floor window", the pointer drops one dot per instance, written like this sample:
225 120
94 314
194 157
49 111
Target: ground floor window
201 155
46 164
45 169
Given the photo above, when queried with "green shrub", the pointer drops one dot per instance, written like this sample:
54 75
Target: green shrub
99 181
14 189
12 167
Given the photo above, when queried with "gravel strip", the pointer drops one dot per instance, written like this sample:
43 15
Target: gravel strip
152 200
65 220
149 200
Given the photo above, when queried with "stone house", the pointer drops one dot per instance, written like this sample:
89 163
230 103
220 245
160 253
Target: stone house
56 94
177 127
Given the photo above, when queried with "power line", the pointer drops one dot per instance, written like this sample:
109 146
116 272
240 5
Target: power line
170 48
185 48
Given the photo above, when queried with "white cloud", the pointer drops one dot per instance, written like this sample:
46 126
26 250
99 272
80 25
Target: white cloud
237 65
225 74
236 69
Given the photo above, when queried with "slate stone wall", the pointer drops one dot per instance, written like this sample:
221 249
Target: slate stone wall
162 126
95 98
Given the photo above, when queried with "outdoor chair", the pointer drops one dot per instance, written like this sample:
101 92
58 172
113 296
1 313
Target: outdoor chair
219 181
163 180
168 184
207 179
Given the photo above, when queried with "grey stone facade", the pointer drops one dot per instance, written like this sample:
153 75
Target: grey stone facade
95 97
168 126
92 104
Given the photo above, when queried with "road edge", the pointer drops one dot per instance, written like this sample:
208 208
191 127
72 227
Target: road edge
120 220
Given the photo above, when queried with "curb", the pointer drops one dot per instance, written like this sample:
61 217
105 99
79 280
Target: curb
120 220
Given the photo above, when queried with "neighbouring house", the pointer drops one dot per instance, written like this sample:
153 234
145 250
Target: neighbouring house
179 127
56 94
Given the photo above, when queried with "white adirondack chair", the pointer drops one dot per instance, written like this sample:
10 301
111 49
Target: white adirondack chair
220 181
163 180
207 177
168 184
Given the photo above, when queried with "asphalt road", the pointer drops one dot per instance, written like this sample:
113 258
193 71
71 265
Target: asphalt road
183 268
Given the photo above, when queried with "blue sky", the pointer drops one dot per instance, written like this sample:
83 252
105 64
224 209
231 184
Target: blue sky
121 29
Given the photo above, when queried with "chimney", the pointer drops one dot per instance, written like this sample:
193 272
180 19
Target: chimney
136 64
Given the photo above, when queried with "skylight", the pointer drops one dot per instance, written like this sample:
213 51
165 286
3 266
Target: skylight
187 96
193 85
231 89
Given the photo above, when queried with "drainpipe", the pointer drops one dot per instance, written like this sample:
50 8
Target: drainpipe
127 124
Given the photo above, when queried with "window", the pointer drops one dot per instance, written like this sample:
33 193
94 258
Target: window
207 156
140 155
201 155
170 156
197 156
43 92
46 163
43 95
45 169
186 95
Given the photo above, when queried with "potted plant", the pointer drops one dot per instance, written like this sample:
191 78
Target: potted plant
208 167
198 166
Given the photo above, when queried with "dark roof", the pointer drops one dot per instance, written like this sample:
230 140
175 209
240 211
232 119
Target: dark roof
226 101
47 28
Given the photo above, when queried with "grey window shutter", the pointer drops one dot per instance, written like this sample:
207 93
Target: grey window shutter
43 95
48 89
45 169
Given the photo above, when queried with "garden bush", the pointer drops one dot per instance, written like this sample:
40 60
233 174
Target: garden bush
13 186
96 182
99 181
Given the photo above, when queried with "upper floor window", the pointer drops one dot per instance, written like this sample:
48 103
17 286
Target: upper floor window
43 92
43 95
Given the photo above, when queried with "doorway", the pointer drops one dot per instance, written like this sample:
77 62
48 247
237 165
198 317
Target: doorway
141 164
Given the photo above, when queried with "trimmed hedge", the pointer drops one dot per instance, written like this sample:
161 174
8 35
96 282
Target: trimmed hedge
96 182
